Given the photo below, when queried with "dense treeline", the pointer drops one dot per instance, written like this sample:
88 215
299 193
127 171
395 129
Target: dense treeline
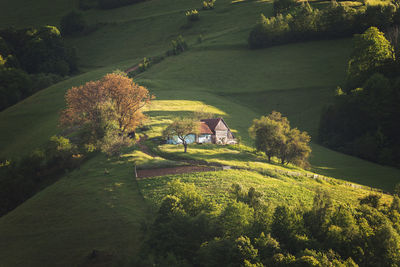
105 4
190 231
364 120
302 22
32 59
21 179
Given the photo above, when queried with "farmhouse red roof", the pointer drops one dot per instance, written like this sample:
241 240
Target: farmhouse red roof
212 123
204 129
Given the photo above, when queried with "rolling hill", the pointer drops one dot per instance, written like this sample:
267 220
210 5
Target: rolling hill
90 210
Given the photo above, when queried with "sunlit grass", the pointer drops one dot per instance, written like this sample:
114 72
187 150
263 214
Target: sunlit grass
298 191
243 156
145 161
182 105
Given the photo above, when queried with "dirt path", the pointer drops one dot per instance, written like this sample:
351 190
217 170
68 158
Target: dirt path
132 69
173 170
192 167
144 148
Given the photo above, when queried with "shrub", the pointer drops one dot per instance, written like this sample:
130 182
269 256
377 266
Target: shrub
178 46
73 22
209 4
144 65
371 200
192 15
112 143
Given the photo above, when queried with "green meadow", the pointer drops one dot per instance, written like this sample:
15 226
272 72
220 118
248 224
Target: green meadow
100 206
97 207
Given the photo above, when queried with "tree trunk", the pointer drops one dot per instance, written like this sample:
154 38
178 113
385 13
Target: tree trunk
185 147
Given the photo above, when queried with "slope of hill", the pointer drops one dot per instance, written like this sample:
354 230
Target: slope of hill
89 209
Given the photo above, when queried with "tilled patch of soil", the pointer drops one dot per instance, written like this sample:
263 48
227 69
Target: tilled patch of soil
174 170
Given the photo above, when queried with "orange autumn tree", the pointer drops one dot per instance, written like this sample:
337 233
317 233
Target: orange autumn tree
113 100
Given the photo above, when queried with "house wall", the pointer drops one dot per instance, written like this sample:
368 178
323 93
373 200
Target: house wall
221 133
204 138
191 138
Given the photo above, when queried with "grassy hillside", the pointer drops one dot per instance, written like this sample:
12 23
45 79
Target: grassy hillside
86 210
278 190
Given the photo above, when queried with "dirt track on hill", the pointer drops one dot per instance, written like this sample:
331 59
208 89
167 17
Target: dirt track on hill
132 69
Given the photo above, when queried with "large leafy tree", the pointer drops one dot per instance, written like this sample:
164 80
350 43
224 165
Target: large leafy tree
182 128
274 137
269 134
371 52
114 101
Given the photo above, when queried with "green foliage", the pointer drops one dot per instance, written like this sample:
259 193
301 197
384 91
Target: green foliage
371 51
209 4
190 200
270 31
178 46
339 236
23 177
387 245
361 122
274 137
286 224
371 200
192 15
267 246
306 23
251 198
181 128
236 219
40 50
34 51
2 61
113 143
73 22
144 65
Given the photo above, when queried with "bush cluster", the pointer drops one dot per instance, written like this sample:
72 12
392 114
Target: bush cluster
191 231
306 23
178 46
209 4
20 179
192 15
32 59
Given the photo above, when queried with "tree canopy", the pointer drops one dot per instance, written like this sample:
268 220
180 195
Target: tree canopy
182 128
111 104
371 51
275 138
